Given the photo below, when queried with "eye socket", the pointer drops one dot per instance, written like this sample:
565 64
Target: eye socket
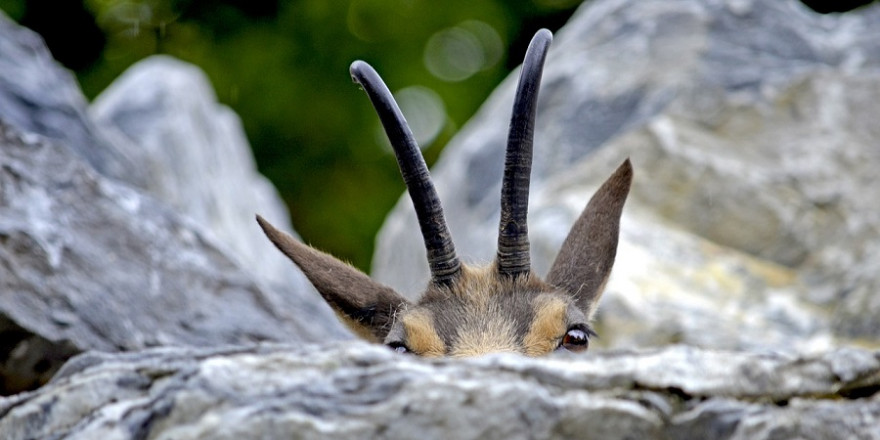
576 339
399 347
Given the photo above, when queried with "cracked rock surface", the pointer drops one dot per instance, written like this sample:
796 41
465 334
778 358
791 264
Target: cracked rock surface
100 251
90 264
356 390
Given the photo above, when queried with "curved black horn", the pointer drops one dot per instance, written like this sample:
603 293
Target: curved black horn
513 234
444 264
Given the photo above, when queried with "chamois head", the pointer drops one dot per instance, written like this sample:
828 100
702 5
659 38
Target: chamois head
466 311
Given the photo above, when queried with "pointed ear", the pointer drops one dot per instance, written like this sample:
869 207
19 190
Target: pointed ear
366 306
587 255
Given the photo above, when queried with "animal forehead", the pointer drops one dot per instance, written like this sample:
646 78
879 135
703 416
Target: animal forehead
504 321
485 284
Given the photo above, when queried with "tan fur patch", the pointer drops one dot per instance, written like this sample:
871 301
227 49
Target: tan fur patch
547 326
480 283
357 327
487 304
421 336
495 336
477 284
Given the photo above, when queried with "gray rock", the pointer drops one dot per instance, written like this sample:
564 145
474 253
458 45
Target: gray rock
37 95
356 390
88 263
751 127
198 161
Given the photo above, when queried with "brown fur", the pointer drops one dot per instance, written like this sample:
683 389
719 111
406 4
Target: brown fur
548 326
421 335
478 284
485 311
357 327
495 336
587 255
366 306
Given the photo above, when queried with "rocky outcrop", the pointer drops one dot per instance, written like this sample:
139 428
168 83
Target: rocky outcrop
199 162
751 127
197 159
39 96
136 230
357 390
88 263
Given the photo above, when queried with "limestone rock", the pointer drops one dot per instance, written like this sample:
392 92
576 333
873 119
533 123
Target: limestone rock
91 257
37 95
356 390
198 161
751 128
196 157
88 263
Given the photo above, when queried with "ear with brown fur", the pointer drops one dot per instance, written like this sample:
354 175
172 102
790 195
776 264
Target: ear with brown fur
366 306
584 263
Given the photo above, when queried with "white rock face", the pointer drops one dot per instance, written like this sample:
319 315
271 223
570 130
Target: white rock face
752 130
197 160
136 230
356 390
88 263
38 95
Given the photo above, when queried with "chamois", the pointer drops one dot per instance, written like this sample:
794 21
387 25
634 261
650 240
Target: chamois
466 311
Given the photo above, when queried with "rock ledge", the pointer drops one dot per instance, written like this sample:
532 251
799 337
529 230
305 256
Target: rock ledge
357 390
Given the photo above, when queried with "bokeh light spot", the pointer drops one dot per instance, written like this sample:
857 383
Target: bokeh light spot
457 53
493 47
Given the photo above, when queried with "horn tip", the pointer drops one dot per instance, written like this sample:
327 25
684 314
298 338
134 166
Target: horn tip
544 34
358 70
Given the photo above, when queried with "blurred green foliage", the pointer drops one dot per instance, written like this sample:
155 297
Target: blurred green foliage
283 67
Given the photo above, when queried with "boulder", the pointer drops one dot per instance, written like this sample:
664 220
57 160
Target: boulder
40 96
198 161
89 263
160 129
355 390
131 224
751 127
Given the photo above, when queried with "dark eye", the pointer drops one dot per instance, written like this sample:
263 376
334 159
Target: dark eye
399 347
576 339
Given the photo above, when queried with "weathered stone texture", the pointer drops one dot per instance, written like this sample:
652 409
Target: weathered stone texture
356 390
136 230
87 263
